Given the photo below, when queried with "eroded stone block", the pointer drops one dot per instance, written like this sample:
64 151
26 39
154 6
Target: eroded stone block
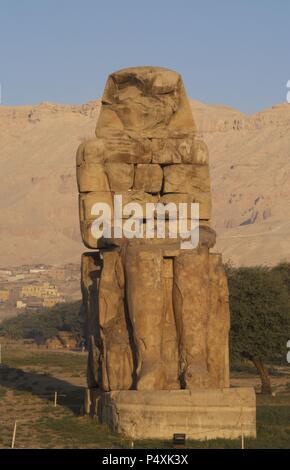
92 177
186 179
201 415
120 176
148 178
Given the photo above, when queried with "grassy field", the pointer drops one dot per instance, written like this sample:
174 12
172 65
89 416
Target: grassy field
29 378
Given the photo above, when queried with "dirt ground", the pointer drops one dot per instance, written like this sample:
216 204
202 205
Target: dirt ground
29 379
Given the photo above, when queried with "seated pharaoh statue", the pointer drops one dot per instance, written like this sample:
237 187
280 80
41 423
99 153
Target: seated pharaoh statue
155 295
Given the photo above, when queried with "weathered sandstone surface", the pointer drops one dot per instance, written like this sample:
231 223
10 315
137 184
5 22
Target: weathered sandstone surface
157 314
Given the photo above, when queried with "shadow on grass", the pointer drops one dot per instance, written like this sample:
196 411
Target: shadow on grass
43 386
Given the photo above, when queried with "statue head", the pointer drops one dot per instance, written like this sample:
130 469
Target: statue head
145 99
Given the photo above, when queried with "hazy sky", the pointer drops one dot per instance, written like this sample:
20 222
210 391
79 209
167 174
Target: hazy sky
234 52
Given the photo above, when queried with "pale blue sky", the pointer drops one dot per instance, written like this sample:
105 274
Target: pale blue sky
234 52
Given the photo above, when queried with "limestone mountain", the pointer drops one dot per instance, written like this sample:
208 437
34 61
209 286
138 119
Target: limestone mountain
250 173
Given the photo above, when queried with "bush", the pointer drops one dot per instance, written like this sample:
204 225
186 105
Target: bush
45 323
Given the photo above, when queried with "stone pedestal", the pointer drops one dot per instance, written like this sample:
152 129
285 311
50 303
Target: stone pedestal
201 415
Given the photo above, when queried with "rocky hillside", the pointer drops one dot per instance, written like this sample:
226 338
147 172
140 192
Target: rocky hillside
250 169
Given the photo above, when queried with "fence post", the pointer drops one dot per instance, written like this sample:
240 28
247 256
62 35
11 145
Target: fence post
243 438
55 399
14 435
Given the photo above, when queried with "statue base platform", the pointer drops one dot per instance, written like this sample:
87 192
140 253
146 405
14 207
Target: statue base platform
158 414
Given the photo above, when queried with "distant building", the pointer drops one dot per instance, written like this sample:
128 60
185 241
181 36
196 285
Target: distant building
17 277
20 304
30 290
34 304
57 273
4 273
48 303
39 290
4 295
37 270
41 295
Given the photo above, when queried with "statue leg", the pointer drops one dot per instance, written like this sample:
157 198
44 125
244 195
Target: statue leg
91 270
116 354
191 305
145 298
218 325
169 335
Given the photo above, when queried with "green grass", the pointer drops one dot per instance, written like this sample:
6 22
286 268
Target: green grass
79 432
71 363
243 369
